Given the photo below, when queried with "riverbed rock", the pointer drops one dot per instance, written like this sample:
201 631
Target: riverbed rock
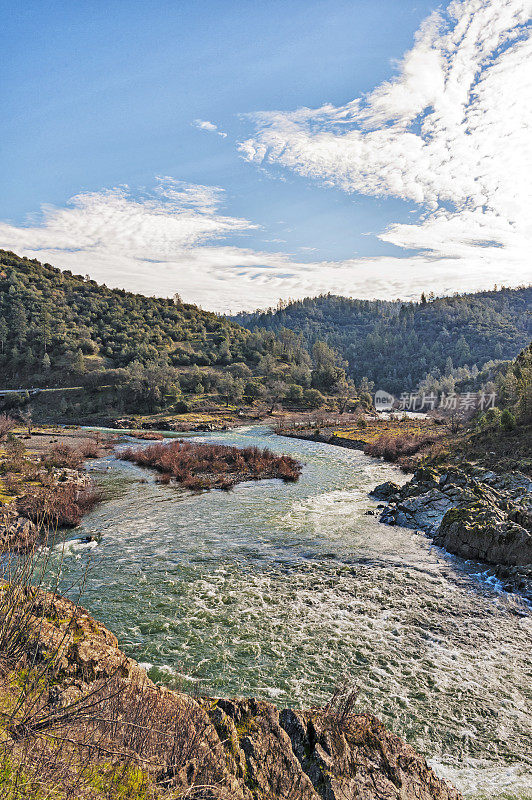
243 749
485 532
470 511
385 490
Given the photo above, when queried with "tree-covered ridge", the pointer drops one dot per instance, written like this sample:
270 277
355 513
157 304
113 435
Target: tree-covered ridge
60 329
395 344
47 312
501 437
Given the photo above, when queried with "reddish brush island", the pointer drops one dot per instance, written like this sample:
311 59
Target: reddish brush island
212 466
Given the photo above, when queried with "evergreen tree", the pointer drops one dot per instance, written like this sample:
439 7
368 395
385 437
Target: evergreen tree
3 334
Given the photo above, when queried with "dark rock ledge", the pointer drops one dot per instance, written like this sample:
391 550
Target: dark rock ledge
471 512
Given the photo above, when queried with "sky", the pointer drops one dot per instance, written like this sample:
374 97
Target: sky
239 152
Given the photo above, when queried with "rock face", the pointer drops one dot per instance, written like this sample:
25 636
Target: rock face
484 532
242 749
471 512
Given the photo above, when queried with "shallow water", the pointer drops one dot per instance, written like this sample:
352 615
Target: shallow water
282 590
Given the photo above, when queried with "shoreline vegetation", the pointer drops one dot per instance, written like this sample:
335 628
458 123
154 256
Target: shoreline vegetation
43 482
212 466
397 439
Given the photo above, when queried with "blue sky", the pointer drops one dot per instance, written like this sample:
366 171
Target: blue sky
98 97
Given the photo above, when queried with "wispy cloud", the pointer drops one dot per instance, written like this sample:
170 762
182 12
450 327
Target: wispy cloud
205 125
174 238
451 132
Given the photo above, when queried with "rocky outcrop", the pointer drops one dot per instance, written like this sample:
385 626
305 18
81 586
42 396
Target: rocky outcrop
241 749
471 512
17 533
483 531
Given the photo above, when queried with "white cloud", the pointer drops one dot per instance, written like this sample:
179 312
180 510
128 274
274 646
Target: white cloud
205 125
174 238
451 132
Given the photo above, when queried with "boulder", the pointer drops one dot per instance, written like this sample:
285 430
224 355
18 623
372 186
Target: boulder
484 532
423 512
385 490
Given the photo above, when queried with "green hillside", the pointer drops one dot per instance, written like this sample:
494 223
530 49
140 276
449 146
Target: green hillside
60 329
395 344
501 437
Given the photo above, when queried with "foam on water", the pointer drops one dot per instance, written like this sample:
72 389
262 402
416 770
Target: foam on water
282 590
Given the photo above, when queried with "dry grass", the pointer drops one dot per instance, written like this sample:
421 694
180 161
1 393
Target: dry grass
395 448
58 505
372 430
401 441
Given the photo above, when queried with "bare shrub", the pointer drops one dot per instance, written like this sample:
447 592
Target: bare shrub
392 448
150 436
58 505
27 419
204 466
7 424
62 455
89 449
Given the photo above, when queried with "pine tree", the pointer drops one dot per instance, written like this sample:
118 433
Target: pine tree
19 322
45 329
4 330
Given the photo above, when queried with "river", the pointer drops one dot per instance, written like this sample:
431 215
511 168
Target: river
281 591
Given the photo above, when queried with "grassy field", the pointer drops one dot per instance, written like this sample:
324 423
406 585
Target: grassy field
368 431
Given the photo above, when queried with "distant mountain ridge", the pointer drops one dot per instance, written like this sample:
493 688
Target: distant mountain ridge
395 344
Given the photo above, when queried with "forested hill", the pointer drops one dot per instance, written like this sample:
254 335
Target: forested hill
395 344
44 310
57 328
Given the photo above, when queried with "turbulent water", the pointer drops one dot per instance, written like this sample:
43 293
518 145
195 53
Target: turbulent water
282 591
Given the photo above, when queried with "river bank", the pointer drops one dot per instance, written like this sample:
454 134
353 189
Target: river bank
44 484
471 512
466 508
174 745
401 439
